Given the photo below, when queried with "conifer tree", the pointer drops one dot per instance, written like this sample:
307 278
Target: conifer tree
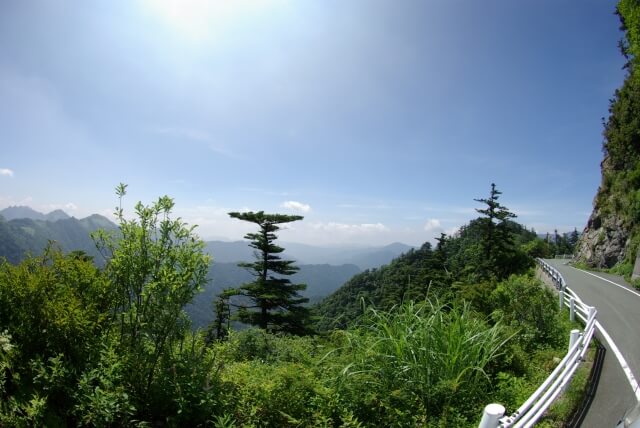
219 327
497 238
274 302
573 239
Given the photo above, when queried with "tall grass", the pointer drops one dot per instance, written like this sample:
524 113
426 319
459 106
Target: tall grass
431 355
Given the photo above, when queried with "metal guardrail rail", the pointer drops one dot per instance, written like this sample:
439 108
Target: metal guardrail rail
532 410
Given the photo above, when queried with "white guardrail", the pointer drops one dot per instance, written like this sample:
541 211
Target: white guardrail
533 409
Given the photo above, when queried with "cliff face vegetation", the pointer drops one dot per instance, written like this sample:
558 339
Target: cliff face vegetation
612 234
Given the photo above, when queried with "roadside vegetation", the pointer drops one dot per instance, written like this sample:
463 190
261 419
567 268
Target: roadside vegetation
111 346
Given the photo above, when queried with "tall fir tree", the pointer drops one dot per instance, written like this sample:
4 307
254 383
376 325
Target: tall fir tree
574 237
275 303
219 327
497 238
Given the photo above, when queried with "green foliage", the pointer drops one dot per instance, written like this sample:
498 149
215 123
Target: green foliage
187 390
572 398
496 240
531 309
421 358
82 346
537 248
101 396
276 302
155 268
416 275
219 328
282 394
458 268
66 299
54 308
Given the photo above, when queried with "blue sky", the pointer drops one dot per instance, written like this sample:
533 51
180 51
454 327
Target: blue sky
379 121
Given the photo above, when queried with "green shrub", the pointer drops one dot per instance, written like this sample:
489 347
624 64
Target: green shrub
282 394
525 304
186 390
101 396
418 361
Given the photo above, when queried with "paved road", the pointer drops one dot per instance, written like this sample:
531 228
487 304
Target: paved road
619 315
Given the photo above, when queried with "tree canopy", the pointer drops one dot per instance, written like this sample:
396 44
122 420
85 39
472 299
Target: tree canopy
271 301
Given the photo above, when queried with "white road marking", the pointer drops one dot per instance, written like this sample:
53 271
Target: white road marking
609 281
623 363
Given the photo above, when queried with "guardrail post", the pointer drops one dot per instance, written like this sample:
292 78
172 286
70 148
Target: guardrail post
592 309
573 338
561 293
572 309
491 416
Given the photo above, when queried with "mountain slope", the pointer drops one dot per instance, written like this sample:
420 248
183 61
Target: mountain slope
321 281
424 273
612 234
21 236
363 257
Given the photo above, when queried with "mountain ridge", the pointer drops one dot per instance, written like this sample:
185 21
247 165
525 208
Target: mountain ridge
30 234
22 211
364 257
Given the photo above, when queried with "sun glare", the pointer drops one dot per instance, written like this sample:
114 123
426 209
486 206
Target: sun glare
202 20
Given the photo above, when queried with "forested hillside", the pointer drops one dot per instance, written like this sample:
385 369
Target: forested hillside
612 234
21 236
429 272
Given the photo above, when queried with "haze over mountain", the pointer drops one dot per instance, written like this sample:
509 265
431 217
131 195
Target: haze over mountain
365 257
24 230
321 281
322 269
20 211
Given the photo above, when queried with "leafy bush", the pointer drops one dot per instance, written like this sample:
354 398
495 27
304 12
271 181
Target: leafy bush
187 388
257 344
281 394
101 397
416 362
525 304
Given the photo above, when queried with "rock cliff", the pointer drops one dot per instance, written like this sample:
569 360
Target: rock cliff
612 234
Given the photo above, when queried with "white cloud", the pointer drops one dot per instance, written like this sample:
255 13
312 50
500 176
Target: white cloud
296 206
45 208
214 222
433 224
452 230
6 172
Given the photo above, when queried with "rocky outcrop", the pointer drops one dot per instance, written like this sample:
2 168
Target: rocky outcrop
605 240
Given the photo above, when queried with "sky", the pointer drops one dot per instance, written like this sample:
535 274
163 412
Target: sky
377 120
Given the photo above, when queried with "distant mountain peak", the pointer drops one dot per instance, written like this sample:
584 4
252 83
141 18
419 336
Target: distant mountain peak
56 215
399 246
22 211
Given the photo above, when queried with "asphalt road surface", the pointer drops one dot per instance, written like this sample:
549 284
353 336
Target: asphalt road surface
618 306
